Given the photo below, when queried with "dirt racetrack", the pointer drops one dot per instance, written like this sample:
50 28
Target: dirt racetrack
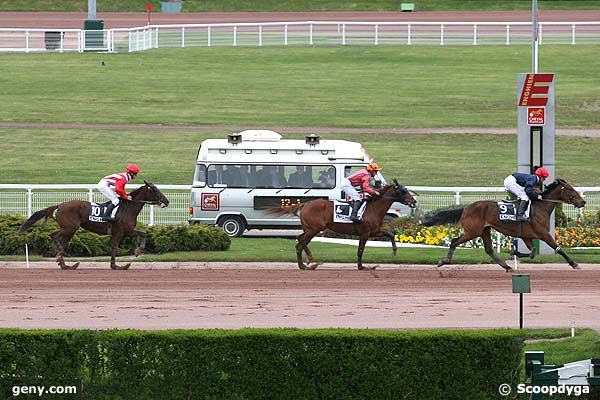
228 295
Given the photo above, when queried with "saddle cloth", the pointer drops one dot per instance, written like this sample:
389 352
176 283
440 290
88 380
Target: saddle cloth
507 211
96 211
342 211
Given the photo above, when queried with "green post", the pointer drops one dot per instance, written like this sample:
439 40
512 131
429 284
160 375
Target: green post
521 284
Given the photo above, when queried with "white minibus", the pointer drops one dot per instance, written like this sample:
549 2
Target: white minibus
237 178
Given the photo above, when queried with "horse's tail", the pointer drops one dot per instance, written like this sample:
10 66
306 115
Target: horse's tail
45 213
443 217
279 211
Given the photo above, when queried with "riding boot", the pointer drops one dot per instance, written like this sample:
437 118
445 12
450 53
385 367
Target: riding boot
355 207
521 210
107 214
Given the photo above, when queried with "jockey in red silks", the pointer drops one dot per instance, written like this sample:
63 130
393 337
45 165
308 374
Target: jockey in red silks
113 187
360 178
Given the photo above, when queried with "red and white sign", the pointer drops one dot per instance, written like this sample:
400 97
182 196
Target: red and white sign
535 90
536 115
210 202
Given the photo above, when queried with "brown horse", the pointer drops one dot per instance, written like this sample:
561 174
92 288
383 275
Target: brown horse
71 215
317 215
477 220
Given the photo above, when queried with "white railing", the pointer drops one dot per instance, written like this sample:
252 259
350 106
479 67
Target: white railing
297 33
25 199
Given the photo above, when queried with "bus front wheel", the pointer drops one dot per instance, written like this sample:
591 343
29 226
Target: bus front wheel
232 225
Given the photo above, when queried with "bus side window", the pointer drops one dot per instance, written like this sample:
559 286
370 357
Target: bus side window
200 176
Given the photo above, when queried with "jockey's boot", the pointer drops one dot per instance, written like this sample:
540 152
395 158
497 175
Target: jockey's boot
355 207
107 214
521 210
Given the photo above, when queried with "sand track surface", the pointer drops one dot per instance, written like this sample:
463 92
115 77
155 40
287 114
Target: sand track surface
236 295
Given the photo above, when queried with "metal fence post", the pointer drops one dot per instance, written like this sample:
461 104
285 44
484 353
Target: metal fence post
474 34
376 34
409 38
235 35
343 33
183 36
151 222
29 202
573 34
208 34
260 35
441 34
285 34
507 35
310 34
457 197
91 195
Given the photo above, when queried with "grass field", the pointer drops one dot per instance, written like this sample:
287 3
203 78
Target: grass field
283 250
385 86
76 156
297 5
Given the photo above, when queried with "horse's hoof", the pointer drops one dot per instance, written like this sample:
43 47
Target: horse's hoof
301 266
313 266
575 266
68 267
120 267
443 261
509 269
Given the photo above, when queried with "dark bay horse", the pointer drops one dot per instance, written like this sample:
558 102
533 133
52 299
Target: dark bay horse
317 215
477 220
72 215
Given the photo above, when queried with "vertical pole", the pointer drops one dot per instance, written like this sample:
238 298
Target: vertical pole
442 35
29 202
409 40
151 222
520 310
534 36
285 34
457 197
343 33
91 9
208 36
474 34
183 36
376 34
235 35
91 195
573 34
26 255
310 41
260 35
507 35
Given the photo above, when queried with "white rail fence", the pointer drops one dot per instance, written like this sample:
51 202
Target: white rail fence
297 33
26 199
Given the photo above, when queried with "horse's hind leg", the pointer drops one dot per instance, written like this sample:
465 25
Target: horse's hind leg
453 245
61 239
141 243
489 249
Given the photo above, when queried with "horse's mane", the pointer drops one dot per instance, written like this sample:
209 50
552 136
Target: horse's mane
557 182
382 190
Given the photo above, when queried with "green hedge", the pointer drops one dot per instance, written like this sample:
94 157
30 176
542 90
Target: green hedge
263 363
160 239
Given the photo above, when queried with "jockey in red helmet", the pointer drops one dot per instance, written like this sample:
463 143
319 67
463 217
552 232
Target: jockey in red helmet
522 185
362 179
113 187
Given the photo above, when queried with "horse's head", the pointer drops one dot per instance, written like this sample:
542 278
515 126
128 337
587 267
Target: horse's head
561 190
150 194
399 193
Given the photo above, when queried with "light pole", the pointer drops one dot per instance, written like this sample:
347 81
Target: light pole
534 36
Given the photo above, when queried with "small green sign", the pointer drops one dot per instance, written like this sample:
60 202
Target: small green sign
521 283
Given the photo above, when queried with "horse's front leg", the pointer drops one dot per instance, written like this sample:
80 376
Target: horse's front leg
361 248
546 237
529 243
141 235
116 237
392 237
